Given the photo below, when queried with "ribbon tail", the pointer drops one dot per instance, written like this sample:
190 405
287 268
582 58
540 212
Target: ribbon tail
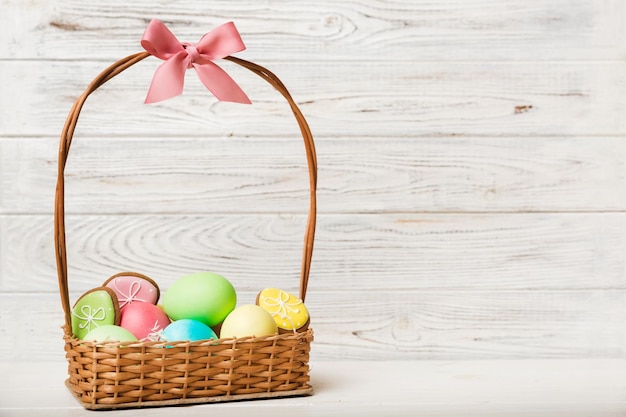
168 79
218 82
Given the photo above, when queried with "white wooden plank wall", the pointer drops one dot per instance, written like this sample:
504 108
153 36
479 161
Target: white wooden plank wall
472 199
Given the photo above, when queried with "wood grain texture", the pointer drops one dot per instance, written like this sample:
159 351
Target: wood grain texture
471 188
375 99
367 325
374 252
263 175
404 30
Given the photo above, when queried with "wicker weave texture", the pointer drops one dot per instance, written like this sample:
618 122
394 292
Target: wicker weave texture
110 375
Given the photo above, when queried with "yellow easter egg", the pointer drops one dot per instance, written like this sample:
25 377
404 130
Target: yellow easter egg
248 320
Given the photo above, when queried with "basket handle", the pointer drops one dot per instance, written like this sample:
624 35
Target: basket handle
66 141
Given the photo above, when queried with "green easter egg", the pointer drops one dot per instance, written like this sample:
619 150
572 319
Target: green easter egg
203 296
110 332
93 309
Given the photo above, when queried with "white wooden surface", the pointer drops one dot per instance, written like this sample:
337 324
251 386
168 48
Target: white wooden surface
471 187
565 388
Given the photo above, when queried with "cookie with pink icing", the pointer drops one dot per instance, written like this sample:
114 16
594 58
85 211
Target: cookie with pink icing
132 286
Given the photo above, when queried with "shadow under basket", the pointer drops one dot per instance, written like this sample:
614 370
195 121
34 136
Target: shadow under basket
113 375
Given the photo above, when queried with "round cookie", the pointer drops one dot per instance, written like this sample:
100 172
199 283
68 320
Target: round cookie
132 286
94 308
288 311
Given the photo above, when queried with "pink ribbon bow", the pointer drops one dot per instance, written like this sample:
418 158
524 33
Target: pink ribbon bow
169 77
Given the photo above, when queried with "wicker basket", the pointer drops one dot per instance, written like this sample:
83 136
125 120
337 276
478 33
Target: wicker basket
148 374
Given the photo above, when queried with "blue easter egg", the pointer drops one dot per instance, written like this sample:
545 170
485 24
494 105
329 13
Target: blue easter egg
187 329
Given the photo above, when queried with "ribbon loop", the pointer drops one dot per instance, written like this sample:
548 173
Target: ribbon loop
168 79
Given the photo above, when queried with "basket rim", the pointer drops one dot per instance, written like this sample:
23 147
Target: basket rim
113 344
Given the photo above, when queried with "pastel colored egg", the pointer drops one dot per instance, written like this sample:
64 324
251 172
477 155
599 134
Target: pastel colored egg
132 286
288 311
110 332
203 296
93 309
187 329
145 321
248 320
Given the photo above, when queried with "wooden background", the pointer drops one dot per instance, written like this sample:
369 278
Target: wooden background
472 198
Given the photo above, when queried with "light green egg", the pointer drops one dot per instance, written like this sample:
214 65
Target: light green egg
204 296
110 332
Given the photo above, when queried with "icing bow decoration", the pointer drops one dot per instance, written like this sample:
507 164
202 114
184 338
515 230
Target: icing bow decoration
90 316
169 77
283 306
125 299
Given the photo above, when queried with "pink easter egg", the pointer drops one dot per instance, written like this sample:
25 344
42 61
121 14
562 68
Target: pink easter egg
144 320
132 286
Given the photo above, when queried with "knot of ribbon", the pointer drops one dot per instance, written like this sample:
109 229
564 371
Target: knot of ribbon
169 77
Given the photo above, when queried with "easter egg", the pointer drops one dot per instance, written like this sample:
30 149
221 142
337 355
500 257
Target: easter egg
288 311
203 296
95 308
110 332
187 329
132 286
248 320
144 320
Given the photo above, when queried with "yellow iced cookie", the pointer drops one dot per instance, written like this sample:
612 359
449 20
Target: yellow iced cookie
288 311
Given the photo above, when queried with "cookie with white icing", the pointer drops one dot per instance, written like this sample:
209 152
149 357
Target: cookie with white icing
94 308
133 286
288 311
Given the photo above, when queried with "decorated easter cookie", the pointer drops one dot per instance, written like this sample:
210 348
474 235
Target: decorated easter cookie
132 286
95 308
288 311
146 321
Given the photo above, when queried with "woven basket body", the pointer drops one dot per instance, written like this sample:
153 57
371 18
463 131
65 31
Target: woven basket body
113 375
152 374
